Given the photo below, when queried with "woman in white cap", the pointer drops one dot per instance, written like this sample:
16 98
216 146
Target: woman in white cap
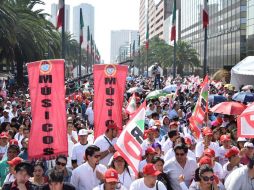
111 181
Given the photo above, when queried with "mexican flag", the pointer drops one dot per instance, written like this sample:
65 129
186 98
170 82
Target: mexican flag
173 27
81 27
131 138
205 14
201 108
60 16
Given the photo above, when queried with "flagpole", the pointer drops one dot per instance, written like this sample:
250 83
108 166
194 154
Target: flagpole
63 38
205 53
147 46
174 61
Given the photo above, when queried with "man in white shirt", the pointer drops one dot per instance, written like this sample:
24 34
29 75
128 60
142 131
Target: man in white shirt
106 143
149 181
5 117
242 178
90 116
79 149
90 174
233 161
225 140
180 165
206 143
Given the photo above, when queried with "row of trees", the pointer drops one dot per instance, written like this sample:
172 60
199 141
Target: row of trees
26 35
162 53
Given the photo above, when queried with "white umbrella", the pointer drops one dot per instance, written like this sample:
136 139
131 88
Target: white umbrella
170 88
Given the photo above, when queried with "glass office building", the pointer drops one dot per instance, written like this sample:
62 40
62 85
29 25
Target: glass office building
226 32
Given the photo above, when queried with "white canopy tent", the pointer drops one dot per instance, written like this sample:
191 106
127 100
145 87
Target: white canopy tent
75 71
151 68
243 73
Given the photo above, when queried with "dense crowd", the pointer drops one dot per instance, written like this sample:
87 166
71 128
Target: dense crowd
172 158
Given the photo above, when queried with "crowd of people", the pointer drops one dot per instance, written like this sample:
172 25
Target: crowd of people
172 158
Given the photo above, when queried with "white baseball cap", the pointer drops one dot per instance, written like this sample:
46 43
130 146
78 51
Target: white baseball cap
241 139
248 145
83 132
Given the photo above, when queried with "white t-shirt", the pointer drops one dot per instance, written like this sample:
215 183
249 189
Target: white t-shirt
200 148
84 177
78 152
167 145
222 151
225 169
139 184
90 115
218 170
104 145
141 165
126 178
173 169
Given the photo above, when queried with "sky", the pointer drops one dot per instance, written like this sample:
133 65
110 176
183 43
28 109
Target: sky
109 15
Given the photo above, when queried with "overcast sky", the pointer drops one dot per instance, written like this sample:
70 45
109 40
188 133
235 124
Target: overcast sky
109 15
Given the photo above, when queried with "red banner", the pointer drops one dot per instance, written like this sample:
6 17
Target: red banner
245 123
48 136
109 86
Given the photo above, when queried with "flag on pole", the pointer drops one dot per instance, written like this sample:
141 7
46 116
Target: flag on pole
205 14
81 24
173 27
132 106
129 142
147 35
60 14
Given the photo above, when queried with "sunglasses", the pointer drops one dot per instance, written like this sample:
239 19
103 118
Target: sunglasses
60 163
206 178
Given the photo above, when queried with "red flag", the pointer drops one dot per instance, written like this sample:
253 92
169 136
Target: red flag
194 127
109 86
60 15
205 14
48 136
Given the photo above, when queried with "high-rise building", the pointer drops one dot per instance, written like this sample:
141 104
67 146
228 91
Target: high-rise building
53 16
226 31
88 17
151 11
121 44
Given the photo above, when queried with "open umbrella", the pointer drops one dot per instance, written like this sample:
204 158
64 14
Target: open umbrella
135 89
229 108
170 88
214 99
155 94
243 97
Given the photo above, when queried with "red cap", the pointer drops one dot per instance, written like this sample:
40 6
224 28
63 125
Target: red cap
150 150
232 152
225 138
4 135
111 175
15 161
205 160
13 141
150 130
187 140
112 126
149 169
207 131
209 152
117 154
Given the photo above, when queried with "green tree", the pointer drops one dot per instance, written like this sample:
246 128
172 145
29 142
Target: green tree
186 56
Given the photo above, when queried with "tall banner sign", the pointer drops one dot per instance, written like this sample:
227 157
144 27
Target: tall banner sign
245 123
48 136
109 86
129 142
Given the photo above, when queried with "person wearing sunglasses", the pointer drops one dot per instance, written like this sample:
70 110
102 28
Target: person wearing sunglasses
91 173
61 162
111 181
180 165
204 179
